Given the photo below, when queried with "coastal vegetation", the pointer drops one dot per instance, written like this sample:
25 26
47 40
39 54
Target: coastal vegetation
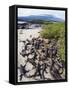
55 30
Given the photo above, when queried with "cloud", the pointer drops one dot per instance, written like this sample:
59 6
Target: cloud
27 12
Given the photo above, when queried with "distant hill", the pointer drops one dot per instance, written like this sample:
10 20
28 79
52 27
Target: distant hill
41 17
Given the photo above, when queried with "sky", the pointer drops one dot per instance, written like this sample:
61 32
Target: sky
28 12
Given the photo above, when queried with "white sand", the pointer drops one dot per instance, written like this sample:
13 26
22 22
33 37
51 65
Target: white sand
23 34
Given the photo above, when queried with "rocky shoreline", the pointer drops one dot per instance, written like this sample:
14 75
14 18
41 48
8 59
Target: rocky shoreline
41 60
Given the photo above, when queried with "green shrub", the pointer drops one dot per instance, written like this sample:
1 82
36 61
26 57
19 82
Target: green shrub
55 30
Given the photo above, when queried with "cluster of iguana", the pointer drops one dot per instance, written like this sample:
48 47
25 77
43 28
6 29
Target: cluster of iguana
41 57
